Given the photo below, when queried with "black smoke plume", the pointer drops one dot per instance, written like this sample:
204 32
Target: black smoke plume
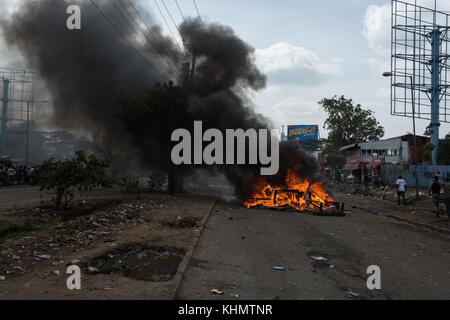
86 70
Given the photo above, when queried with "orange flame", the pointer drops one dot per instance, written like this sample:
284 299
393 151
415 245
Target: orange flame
297 193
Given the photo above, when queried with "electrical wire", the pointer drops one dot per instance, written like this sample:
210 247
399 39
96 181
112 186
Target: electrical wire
147 26
170 15
167 24
125 38
152 49
196 8
179 9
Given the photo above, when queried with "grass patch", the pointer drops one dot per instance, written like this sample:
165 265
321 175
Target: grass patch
9 227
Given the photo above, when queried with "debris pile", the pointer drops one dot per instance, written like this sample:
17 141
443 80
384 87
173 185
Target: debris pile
74 235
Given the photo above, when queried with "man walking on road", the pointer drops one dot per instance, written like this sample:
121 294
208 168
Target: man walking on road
401 189
435 192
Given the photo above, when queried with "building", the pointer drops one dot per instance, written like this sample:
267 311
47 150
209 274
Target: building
366 158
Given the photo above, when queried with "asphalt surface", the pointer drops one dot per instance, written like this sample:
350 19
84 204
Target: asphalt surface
240 247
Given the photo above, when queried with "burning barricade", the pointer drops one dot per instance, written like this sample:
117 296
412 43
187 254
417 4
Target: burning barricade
296 193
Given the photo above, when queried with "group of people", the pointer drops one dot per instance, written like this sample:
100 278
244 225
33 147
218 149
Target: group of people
17 175
439 192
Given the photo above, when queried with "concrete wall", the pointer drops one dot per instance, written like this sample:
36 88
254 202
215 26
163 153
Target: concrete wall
390 173
427 173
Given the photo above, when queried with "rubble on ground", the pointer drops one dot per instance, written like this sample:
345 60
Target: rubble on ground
74 235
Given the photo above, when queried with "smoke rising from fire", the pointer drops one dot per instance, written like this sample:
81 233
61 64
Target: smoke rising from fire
85 71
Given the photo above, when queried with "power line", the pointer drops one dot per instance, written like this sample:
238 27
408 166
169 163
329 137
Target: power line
179 9
154 51
125 38
165 20
147 26
196 8
170 15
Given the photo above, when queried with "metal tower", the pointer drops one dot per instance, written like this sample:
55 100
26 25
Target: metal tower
16 89
420 65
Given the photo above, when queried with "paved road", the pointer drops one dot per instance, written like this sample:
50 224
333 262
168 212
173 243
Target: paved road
237 252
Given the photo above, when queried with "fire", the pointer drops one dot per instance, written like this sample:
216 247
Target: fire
297 193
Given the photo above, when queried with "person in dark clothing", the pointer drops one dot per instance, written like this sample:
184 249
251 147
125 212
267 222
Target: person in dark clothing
376 181
435 192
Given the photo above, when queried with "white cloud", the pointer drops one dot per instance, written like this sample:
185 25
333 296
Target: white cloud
378 66
377 28
383 93
377 23
294 110
288 64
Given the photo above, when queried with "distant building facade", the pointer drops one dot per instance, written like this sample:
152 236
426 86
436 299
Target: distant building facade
367 157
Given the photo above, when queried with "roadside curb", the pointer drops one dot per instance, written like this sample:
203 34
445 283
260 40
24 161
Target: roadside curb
424 225
187 258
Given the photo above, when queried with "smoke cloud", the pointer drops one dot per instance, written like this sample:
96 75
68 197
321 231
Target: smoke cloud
86 70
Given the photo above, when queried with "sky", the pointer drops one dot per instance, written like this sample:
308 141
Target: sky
309 50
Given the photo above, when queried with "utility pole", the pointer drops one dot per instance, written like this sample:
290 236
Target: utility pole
28 134
4 122
176 173
188 86
435 92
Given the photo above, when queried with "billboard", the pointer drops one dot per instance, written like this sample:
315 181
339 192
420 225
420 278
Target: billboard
307 135
303 132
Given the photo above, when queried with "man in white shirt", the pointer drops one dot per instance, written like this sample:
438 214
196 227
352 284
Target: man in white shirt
401 189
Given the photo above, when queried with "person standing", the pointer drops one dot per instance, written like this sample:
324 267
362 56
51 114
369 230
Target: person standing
401 189
435 192
376 181
11 173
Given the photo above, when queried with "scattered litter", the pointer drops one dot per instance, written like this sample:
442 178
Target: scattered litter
57 273
19 269
2 278
75 262
57 263
318 258
279 269
217 291
154 264
44 257
234 295
93 270
352 294
332 266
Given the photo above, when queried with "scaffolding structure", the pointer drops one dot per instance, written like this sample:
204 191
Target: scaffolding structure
420 65
16 107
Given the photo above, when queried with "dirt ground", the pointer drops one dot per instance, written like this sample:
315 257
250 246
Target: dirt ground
126 248
418 211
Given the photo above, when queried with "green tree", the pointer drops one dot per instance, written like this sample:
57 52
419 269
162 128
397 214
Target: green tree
347 123
427 150
81 173
444 150
162 110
